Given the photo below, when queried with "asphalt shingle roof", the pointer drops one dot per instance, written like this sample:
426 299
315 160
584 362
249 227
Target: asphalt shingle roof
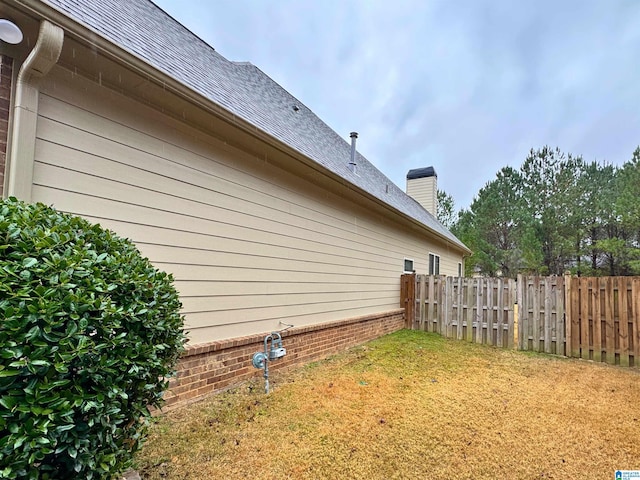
146 31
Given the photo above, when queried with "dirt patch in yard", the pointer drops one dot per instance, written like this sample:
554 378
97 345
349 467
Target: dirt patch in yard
411 405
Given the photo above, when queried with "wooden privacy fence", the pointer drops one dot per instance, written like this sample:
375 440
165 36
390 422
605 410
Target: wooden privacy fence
475 309
592 318
605 319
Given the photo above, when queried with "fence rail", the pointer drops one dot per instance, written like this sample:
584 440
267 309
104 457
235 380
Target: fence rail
591 318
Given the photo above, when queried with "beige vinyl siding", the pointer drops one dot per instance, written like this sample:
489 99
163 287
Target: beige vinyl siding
448 264
249 244
424 191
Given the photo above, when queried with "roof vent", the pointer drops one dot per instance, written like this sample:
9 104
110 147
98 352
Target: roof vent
352 161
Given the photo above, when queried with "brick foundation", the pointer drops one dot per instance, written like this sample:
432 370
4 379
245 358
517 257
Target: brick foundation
6 73
209 368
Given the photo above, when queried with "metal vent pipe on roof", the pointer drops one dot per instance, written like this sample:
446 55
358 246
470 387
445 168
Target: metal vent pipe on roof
352 161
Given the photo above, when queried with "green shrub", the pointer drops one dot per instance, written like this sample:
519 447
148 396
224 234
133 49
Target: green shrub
90 332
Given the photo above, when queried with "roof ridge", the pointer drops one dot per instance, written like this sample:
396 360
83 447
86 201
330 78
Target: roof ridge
185 28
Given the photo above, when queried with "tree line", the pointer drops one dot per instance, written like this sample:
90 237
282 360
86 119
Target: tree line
556 213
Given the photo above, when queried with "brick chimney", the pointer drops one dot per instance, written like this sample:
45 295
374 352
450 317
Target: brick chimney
422 186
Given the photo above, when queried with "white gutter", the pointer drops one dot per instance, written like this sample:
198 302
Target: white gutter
42 58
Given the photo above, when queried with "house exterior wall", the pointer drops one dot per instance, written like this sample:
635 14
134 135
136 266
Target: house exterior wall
214 366
425 192
6 74
249 244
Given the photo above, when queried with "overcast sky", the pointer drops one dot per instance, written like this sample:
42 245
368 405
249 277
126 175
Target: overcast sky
467 86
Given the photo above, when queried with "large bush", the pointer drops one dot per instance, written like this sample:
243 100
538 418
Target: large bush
89 333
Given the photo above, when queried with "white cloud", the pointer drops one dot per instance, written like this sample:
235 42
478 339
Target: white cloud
468 86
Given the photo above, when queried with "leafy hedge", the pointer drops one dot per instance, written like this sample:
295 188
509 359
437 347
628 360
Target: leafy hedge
89 333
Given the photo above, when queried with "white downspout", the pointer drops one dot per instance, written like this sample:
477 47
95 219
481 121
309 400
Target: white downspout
42 58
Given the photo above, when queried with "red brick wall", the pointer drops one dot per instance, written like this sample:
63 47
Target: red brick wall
6 71
211 367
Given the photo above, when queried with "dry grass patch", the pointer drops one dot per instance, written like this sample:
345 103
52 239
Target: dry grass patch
410 405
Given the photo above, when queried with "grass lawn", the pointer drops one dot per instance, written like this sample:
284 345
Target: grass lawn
410 405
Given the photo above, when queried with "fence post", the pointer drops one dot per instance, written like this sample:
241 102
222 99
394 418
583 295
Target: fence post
500 314
597 321
460 308
470 301
422 298
560 328
480 310
610 342
575 317
431 305
449 288
517 314
635 295
488 301
547 328
512 316
567 315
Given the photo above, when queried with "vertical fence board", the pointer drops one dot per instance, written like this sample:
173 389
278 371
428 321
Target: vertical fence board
442 320
575 318
610 343
635 288
489 310
446 301
470 308
422 298
442 307
536 314
511 300
430 307
623 322
500 314
597 321
585 287
567 312
437 310
561 340
635 319
558 300
479 310
521 313
547 314
460 308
